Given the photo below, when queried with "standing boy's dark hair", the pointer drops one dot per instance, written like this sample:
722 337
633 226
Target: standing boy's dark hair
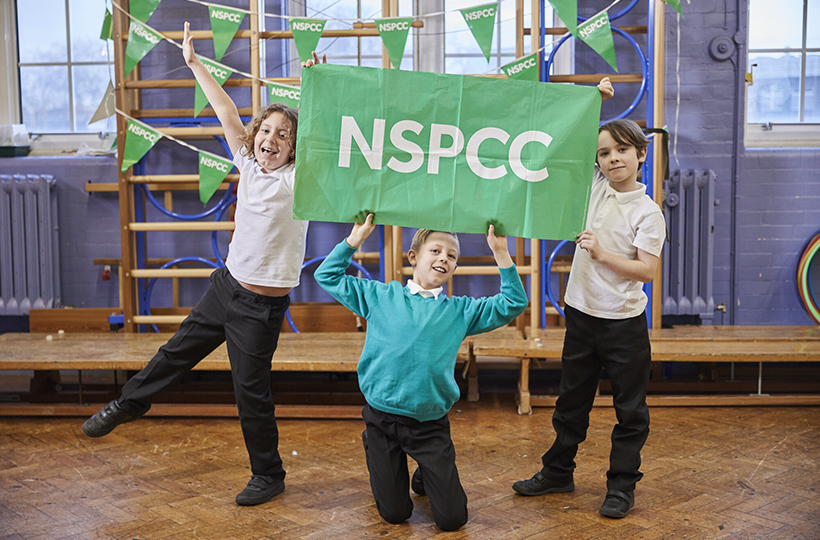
291 122
626 132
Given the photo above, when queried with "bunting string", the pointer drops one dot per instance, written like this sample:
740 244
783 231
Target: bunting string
179 142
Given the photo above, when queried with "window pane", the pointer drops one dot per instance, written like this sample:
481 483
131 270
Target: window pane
812 106
775 94
45 99
42 39
90 84
469 65
775 25
812 30
86 18
507 29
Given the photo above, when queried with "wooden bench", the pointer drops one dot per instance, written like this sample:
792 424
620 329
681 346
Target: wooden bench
305 352
682 344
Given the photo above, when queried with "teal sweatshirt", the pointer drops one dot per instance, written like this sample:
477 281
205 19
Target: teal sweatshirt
410 350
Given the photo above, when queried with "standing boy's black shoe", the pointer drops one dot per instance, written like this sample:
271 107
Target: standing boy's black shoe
106 420
617 503
416 483
541 485
260 489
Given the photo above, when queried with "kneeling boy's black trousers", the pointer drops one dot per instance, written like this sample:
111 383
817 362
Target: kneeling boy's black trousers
249 323
621 346
388 440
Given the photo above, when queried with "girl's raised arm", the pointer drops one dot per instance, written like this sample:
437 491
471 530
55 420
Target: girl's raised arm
224 107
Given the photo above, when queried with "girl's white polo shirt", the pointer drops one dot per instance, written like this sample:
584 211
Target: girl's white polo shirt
268 245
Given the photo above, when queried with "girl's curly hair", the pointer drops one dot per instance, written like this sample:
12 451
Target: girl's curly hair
291 122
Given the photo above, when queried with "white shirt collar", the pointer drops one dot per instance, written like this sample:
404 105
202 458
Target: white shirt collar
628 196
415 288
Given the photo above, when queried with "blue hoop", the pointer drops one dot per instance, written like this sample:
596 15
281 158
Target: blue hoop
153 281
641 56
214 245
190 217
314 260
545 282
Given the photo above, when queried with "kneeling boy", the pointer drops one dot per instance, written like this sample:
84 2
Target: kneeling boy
407 364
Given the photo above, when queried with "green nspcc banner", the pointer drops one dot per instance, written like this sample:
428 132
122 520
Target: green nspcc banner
464 152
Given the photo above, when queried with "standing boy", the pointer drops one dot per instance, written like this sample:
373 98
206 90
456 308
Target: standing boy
406 368
606 322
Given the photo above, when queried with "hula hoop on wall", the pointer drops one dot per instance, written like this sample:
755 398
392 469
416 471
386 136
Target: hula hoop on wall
315 260
805 288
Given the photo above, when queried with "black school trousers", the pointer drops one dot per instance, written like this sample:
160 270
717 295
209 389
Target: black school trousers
388 440
622 347
249 323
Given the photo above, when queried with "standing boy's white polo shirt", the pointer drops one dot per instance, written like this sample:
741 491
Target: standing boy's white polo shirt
623 223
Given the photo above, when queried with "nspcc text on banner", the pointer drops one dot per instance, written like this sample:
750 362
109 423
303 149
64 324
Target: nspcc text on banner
463 152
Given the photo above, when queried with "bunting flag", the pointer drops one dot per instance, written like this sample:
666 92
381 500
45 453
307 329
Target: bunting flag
481 20
219 73
139 138
280 93
306 34
454 163
675 5
394 36
567 11
524 69
212 171
224 24
140 42
143 9
597 33
107 105
107 31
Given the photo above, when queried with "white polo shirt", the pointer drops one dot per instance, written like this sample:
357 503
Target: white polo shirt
623 223
268 245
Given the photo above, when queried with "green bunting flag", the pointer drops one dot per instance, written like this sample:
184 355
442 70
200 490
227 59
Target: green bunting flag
212 171
481 20
394 36
675 5
219 73
107 31
224 24
597 33
306 34
280 93
567 11
524 69
143 9
139 138
454 163
140 42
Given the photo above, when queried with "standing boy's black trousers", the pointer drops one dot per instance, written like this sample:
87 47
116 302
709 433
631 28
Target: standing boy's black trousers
388 440
249 323
622 347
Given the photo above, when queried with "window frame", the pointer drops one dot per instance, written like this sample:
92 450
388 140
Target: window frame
69 64
777 134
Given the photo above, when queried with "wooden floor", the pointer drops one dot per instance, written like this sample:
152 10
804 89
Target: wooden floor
710 473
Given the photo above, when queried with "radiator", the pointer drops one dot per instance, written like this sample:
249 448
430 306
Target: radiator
29 262
689 209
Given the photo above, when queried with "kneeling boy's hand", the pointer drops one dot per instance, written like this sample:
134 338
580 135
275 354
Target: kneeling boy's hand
360 232
498 244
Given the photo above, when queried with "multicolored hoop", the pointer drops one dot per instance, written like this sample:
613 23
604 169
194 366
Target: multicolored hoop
805 289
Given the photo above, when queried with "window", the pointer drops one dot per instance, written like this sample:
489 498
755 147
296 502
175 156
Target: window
360 51
64 65
783 101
